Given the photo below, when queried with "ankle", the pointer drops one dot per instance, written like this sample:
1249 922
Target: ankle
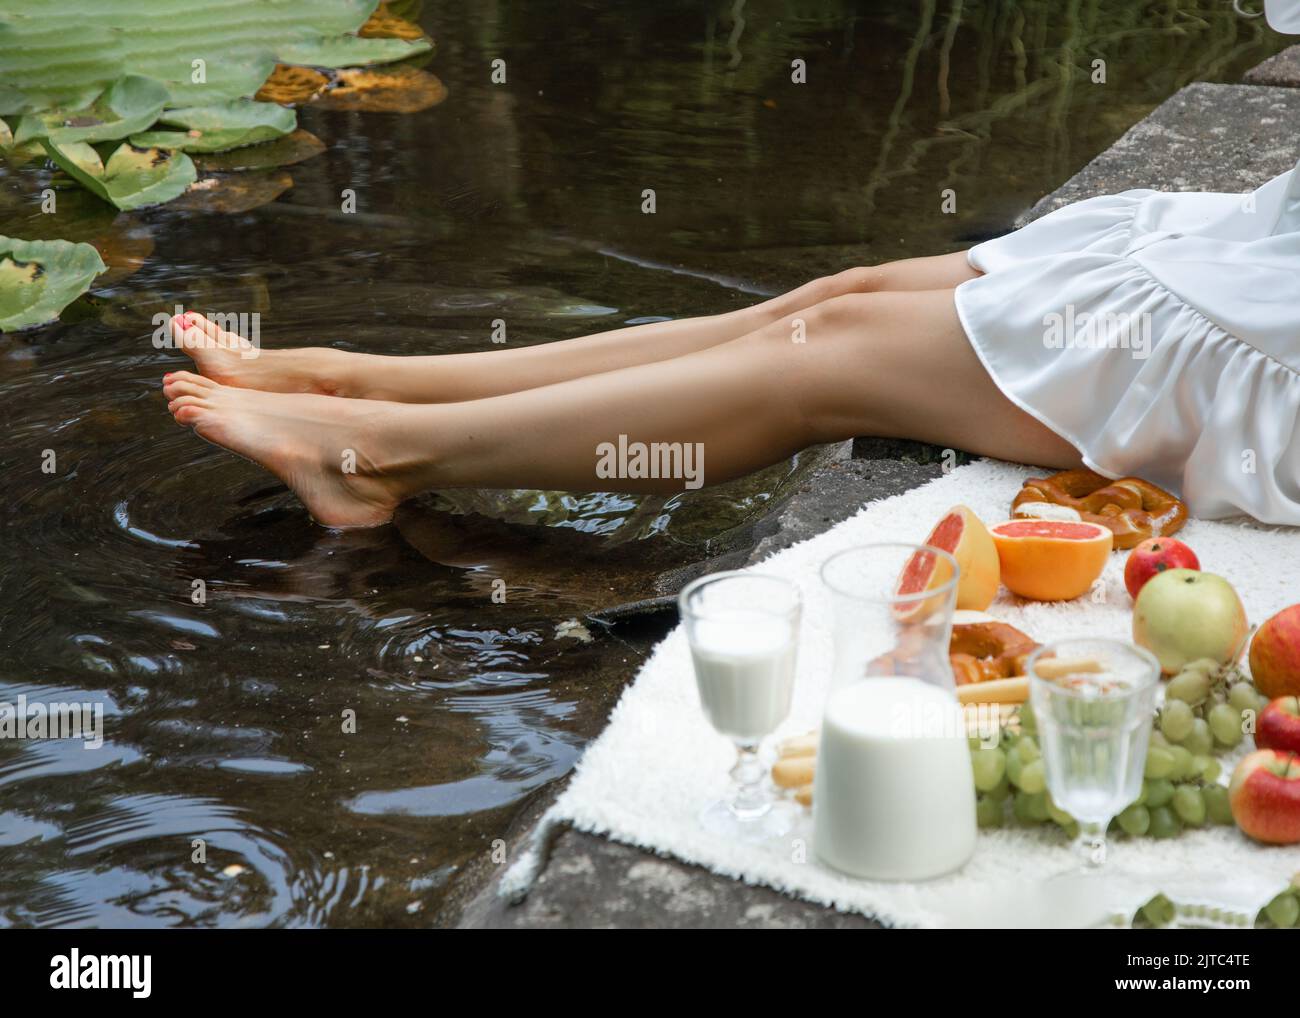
397 439
330 372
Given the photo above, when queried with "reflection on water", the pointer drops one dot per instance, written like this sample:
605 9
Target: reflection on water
230 788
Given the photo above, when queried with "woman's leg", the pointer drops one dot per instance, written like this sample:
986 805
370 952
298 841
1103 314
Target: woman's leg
888 364
457 377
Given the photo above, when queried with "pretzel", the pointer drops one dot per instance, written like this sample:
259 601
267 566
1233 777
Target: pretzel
1131 508
984 651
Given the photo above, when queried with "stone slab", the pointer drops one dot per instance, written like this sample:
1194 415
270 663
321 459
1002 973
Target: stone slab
1202 138
1205 137
1282 69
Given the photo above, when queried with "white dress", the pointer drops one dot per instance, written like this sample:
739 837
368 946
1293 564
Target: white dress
1159 333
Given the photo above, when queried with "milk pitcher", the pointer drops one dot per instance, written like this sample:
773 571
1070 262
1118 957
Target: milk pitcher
893 794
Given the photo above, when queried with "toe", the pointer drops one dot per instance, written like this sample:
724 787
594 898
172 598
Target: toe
225 340
189 376
190 415
190 399
186 383
187 335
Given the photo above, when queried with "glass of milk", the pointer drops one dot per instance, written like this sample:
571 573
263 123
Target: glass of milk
1093 702
743 629
893 794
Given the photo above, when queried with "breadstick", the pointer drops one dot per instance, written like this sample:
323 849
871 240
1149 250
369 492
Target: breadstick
1057 667
1013 690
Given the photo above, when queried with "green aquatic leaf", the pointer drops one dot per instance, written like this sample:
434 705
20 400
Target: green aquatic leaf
132 178
14 154
351 51
220 127
66 52
53 60
83 155
39 278
242 114
130 104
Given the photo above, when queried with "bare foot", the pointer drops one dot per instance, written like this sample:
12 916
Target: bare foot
230 359
332 452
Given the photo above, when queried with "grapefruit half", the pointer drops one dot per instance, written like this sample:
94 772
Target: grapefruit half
963 536
924 571
1051 560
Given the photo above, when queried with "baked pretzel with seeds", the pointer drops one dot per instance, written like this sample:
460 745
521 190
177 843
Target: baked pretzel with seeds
984 651
1131 508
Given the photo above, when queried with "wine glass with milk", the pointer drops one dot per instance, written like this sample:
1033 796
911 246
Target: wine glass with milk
1093 702
743 629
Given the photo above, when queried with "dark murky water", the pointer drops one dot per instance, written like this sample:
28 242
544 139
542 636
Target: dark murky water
224 720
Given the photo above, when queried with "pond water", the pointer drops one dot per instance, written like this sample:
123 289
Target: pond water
520 201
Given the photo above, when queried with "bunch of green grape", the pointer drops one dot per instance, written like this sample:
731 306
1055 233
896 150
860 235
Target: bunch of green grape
1282 913
1179 788
1010 777
1207 707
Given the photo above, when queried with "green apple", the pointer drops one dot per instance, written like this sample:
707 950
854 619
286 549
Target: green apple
1181 615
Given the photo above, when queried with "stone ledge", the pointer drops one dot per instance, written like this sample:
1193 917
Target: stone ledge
1202 138
1282 69
1205 137
594 883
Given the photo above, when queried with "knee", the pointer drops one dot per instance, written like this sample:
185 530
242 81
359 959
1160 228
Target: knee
844 318
859 279
832 359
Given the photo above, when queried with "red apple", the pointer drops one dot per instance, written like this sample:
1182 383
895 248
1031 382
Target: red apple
1279 725
1155 555
1275 654
1265 796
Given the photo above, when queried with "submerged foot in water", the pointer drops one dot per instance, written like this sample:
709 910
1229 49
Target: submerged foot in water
230 359
330 451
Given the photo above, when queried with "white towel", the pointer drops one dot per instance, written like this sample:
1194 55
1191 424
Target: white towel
658 763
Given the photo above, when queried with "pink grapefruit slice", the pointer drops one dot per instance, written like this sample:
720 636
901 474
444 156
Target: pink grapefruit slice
963 536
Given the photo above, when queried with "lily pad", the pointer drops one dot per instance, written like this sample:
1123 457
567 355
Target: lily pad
386 23
130 104
292 148
66 52
35 46
235 193
384 90
39 278
352 51
221 127
132 178
17 155
291 85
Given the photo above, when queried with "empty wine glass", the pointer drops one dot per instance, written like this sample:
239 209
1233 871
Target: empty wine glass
1093 703
743 629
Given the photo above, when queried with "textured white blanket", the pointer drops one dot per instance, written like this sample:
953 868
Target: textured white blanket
645 780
